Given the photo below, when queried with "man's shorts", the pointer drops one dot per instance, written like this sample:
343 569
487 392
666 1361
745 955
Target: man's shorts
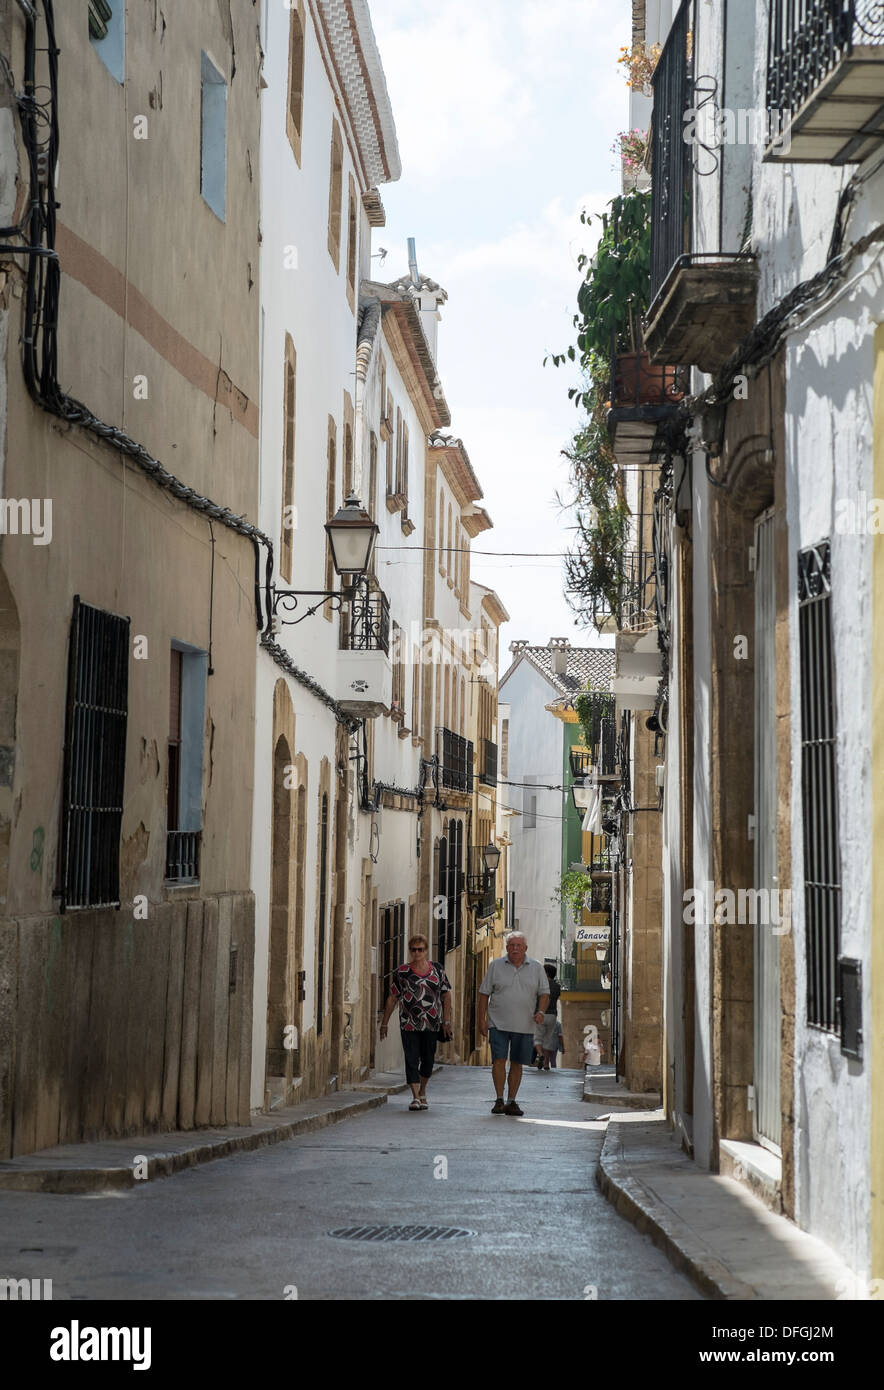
547 1035
520 1046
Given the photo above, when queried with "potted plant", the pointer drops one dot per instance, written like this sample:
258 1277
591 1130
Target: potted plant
639 62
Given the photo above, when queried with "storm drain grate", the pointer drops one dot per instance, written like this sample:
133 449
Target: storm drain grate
400 1233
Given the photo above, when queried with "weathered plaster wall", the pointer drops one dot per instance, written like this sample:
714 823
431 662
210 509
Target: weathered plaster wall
829 385
110 1007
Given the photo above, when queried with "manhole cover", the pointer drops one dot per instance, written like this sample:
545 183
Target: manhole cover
400 1233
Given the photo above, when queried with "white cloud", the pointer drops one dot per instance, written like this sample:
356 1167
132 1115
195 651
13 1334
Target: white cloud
465 79
547 248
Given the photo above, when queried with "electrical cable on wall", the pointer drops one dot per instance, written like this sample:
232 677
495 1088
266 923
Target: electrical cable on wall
42 297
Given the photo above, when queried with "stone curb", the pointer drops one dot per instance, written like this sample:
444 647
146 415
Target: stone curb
163 1165
650 1215
628 1101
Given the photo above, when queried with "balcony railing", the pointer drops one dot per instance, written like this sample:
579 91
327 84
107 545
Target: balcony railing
368 626
670 187
702 304
455 761
481 883
825 80
488 766
602 740
635 609
636 383
581 974
183 856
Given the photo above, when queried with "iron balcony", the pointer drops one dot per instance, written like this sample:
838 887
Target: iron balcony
455 761
825 81
702 305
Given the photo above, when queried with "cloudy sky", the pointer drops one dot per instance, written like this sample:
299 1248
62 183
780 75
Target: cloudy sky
506 111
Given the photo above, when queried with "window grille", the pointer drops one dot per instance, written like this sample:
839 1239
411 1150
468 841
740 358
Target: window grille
456 760
451 887
95 758
822 869
392 943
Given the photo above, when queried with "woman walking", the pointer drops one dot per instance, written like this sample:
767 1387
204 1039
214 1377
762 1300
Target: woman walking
424 994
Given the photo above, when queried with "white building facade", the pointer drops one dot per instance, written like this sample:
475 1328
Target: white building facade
328 140
770 558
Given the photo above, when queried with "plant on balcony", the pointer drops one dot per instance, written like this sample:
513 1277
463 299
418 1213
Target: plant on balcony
614 294
639 62
571 892
632 147
594 564
587 707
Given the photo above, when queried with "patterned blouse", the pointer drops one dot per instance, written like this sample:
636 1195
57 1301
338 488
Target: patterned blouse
420 997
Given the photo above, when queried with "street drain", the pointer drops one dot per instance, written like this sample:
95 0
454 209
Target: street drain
400 1233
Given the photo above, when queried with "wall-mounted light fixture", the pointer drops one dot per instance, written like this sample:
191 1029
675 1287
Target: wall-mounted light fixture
351 536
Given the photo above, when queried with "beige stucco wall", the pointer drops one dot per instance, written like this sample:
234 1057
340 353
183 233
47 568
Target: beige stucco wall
143 264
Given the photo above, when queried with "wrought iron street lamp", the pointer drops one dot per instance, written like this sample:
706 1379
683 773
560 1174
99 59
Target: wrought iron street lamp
581 793
491 855
351 537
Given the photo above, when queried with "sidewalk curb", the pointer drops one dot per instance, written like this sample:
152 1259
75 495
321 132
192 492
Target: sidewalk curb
628 1101
651 1216
601 1088
164 1165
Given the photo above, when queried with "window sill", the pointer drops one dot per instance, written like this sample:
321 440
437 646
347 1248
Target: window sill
184 887
407 525
396 501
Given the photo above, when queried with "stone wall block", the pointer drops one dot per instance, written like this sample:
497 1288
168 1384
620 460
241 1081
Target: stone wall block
154 933
32 1002
173 1015
205 1047
104 1078
220 1012
193 951
80 936
8 1002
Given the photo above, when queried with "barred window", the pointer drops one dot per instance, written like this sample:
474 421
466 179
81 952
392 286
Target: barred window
94 758
822 867
450 888
392 943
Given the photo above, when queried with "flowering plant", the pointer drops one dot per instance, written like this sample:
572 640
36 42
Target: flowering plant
632 146
640 61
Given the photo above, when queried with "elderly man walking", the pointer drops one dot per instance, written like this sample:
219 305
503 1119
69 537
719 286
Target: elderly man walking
513 995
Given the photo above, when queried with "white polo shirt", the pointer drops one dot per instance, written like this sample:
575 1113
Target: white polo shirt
513 993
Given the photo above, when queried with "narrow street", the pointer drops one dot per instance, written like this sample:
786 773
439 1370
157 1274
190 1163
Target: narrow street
254 1225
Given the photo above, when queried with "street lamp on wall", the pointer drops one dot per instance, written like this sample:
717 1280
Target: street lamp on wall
351 537
491 855
581 793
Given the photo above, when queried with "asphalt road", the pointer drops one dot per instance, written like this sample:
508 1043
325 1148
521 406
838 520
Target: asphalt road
256 1226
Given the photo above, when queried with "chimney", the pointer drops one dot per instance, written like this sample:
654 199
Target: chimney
518 647
559 648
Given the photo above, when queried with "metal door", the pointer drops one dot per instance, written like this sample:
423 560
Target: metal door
766 1119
